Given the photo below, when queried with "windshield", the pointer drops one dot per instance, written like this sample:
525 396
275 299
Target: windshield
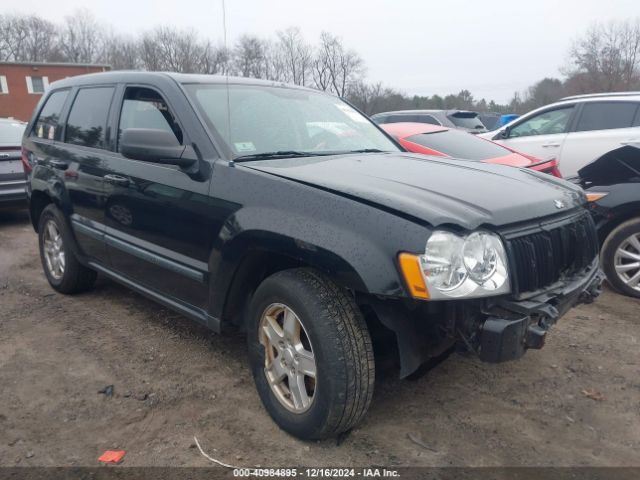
457 144
11 133
266 119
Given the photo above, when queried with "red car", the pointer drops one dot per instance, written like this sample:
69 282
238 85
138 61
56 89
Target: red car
445 142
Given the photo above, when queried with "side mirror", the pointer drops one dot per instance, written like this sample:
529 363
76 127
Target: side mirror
502 134
157 146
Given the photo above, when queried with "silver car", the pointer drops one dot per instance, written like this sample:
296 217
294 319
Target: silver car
460 119
12 178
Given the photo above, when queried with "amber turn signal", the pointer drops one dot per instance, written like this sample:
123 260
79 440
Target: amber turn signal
410 266
594 197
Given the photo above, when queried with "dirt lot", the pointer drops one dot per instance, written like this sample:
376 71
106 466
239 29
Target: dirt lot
173 380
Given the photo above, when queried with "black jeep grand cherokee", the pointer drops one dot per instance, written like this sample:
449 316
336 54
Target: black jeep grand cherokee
284 211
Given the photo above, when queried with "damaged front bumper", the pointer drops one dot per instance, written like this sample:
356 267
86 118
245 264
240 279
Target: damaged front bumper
496 329
513 326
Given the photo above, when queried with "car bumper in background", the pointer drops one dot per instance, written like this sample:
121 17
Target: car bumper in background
13 193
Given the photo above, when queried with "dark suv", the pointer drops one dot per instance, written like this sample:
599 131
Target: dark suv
285 212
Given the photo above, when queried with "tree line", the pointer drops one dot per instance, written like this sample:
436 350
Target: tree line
605 58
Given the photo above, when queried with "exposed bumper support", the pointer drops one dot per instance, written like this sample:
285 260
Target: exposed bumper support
515 326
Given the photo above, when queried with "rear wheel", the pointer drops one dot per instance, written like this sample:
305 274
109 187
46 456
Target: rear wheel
311 354
621 258
61 267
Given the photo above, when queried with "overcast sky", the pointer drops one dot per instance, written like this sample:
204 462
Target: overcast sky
491 47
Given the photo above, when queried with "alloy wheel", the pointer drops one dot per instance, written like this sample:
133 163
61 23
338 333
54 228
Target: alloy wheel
627 261
53 250
290 365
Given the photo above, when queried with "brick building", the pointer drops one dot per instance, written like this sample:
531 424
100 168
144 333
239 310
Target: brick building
22 83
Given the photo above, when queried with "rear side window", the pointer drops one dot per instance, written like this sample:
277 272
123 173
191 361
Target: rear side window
606 115
458 144
87 120
145 108
47 123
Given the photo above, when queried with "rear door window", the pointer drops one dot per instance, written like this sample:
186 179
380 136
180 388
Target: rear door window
47 125
606 115
87 120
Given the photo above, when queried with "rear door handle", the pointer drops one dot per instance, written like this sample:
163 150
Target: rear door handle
548 145
116 180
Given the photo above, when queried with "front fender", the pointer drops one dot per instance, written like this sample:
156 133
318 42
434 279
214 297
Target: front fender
354 256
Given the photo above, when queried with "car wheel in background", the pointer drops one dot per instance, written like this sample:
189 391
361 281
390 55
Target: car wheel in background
61 267
311 354
621 258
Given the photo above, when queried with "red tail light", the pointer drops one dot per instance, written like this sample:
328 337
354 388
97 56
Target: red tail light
25 161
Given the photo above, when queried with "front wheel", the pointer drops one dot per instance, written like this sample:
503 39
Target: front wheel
311 354
621 258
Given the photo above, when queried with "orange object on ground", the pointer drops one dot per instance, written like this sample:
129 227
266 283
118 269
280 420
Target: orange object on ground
112 456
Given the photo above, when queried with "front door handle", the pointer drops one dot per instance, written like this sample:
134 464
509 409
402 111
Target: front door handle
548 145
117 180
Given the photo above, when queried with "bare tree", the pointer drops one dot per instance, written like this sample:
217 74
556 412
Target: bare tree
81 38
250 57
120 52
294 57
606 58
214 59
28 38
335 68
166 48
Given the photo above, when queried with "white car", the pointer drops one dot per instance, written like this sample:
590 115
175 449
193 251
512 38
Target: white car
575 130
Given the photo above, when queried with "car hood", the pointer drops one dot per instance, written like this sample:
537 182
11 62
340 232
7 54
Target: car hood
438 191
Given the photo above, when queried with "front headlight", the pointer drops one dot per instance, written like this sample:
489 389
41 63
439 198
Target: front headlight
455 266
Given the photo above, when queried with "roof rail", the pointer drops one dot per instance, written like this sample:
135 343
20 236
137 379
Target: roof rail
597 95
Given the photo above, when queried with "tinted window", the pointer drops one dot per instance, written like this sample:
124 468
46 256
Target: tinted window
88 117
397 119
546 123
458 144
46 125
468 120
145 108
606 115
427 119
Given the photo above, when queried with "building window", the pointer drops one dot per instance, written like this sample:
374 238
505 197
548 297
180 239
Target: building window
37 84
3 85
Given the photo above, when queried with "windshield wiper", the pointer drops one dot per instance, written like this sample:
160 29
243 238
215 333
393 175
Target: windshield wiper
367 150
277 154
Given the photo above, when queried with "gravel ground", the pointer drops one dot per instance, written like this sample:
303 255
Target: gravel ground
576 402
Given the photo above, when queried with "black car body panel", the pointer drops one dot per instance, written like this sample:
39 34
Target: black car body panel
196 239
617 173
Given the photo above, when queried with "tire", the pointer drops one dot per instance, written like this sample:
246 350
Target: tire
72 277
338 339
623 237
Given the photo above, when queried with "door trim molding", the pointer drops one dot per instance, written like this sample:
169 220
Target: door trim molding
180 264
